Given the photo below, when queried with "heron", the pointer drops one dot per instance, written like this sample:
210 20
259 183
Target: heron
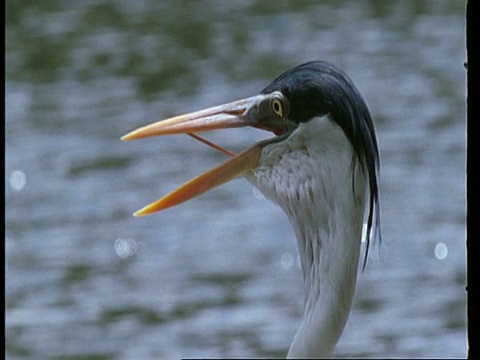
321 166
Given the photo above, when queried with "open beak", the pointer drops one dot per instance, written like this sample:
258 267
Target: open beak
239 113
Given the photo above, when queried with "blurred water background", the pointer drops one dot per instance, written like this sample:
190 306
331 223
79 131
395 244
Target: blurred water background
219 275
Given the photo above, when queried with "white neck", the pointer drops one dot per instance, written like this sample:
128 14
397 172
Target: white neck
310 176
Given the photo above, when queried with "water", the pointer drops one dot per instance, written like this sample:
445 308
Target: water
219 276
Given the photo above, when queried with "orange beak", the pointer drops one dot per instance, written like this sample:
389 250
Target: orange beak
235 114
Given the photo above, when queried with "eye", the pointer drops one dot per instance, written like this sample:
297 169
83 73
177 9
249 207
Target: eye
277 106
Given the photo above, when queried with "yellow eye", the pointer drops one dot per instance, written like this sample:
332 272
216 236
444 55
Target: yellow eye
277 106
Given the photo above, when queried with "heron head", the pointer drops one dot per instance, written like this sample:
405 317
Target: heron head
295 97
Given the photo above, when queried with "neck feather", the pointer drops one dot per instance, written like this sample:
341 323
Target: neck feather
310 176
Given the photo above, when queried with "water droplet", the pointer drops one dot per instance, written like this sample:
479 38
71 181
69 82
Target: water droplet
286 260
441 251
18 180
125 247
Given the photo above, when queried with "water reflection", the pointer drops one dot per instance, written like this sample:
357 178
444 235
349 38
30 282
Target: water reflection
17 180
441 251
125 247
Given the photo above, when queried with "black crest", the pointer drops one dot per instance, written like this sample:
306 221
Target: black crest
318 88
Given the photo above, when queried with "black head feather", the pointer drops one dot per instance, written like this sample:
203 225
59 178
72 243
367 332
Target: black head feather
318 88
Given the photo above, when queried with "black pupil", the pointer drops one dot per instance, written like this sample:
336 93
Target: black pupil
276 106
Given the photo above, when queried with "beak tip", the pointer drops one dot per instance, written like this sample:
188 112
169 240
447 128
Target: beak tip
147 210
127 137
139 213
